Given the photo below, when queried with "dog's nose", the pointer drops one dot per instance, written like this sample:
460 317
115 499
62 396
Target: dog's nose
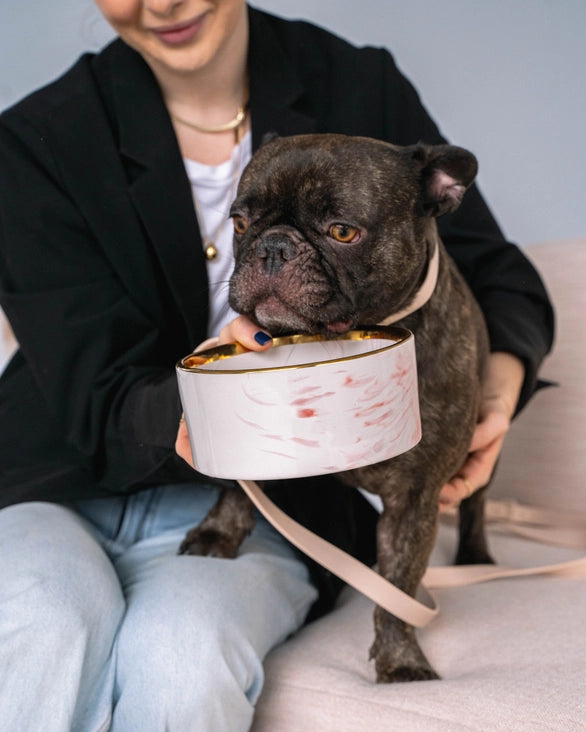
275 251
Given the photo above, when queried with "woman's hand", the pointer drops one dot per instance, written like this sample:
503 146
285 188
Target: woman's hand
485 448
182 444
501 388
242 330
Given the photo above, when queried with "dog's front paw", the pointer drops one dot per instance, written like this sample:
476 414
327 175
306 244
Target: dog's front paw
406 663
397 674
209 543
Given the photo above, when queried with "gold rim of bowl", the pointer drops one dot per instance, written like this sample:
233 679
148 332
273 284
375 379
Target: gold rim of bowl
195 362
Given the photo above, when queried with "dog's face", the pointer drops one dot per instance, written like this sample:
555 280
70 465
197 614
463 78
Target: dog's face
332 231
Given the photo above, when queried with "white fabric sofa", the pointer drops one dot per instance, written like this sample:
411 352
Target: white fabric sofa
511 653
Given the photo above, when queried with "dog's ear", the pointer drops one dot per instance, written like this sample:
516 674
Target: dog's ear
446 171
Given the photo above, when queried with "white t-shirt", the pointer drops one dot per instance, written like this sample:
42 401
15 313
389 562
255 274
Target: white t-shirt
214 189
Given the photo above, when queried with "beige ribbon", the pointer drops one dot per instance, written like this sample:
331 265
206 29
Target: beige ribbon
551 526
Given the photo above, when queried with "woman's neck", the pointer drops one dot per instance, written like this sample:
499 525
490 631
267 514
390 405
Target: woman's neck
208 97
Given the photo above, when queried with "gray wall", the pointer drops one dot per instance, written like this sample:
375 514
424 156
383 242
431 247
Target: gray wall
506 78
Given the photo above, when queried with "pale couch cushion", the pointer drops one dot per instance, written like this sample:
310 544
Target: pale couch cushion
512 656
511 653
544 458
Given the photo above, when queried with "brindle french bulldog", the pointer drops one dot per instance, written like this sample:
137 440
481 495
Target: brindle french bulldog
334 232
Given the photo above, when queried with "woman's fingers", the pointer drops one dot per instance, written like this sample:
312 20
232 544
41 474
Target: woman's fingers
244 331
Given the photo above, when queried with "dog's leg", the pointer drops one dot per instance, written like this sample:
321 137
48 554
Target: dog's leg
224 529
405 536
472 546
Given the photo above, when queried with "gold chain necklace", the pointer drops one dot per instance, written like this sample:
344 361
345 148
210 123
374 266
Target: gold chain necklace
234 124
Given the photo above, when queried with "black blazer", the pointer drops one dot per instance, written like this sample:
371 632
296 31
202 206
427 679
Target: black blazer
102 274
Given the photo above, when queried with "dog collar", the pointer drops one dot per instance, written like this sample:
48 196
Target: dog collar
423 294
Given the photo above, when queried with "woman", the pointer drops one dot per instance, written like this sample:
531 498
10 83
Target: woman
113 261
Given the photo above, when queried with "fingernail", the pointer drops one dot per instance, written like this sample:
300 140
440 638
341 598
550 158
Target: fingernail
262 338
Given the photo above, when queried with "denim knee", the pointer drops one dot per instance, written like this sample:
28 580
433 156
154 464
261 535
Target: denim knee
61 605
192 644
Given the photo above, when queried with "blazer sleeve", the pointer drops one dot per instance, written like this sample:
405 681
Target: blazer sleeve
95 356
510 291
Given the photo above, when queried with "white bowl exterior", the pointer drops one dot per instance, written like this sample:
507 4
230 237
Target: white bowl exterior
289 423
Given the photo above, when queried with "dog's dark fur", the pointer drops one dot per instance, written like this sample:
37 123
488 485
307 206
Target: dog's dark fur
292 275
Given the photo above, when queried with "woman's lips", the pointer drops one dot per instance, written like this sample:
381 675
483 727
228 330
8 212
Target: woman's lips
174 35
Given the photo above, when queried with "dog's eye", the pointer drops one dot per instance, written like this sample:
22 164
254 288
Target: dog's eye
344 233
240 224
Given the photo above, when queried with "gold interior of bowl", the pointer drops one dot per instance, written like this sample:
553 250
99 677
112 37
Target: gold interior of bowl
195 361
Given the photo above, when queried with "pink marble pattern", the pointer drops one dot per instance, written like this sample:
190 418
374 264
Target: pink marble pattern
335 416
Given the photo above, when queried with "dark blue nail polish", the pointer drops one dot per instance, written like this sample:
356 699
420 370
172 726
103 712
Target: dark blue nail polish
262 338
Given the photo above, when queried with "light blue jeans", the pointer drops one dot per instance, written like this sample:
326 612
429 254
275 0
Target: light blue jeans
103 626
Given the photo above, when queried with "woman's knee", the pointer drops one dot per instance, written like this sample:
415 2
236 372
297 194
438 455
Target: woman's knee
195 635
55 576
60 609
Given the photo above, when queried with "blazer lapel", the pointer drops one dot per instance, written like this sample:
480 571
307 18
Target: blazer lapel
159 187
276 93
158 184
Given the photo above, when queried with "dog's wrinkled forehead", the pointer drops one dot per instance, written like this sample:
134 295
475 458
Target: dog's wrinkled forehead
327 176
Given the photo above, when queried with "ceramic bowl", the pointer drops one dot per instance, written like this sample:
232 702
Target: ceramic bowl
310 405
